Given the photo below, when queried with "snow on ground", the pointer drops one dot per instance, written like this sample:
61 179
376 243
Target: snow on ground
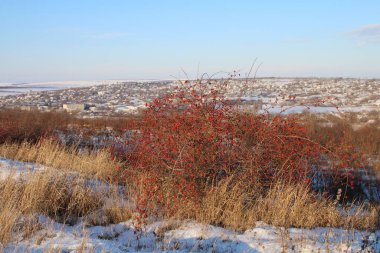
189 236
17 168
313 109
181 236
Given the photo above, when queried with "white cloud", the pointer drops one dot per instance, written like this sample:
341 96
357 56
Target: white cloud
366 34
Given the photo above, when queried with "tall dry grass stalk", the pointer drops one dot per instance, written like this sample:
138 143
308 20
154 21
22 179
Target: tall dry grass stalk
62 191
234 205
49 153
61 196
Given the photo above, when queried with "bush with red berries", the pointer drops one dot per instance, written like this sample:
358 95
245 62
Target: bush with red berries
192 138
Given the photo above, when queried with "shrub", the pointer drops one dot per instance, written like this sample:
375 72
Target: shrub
193 138
19 125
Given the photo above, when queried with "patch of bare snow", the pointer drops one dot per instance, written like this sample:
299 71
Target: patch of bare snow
17 168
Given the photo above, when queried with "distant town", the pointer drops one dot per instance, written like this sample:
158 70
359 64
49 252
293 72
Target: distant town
263 93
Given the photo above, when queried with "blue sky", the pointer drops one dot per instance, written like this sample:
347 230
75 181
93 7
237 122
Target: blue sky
108 39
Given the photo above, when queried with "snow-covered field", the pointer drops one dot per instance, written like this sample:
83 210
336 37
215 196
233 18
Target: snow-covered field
180 236
21 88
188 236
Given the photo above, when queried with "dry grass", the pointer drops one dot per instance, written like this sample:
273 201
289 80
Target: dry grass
62 191
234 205
111 213
116 214
64 197
50 153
